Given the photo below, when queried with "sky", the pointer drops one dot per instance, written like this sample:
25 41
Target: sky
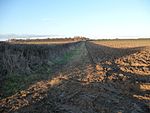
90 18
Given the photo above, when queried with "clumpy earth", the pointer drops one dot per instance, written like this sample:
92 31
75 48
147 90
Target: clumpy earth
96 79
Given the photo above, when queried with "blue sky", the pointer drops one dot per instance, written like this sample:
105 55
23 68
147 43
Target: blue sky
91 18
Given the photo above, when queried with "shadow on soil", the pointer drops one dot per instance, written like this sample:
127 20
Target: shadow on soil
93 84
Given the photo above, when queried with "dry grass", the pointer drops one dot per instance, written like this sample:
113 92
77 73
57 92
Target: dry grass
123 43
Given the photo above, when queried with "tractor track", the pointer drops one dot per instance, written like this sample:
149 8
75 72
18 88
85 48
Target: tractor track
89 54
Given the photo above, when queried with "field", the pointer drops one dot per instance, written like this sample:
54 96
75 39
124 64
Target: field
107 76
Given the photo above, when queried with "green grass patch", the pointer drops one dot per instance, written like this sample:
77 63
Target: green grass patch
66 57
15 82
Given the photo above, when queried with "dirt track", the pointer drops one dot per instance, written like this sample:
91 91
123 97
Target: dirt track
99 79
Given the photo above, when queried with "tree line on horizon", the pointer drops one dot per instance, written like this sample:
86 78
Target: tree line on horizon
76 38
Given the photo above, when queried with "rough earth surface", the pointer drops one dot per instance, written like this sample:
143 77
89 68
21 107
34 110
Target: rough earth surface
97 79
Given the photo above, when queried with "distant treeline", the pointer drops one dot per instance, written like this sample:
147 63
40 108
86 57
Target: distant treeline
76 38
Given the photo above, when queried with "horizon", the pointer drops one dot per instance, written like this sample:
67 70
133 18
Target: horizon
93 19
8 37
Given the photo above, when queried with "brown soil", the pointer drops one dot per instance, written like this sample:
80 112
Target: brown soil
101 79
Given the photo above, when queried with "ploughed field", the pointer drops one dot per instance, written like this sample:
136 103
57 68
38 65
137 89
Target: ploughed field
77 77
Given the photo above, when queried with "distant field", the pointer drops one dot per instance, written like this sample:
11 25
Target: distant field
43 42
123 43
47 40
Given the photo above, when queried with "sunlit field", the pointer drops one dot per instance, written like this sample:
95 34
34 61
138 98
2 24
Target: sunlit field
77 76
